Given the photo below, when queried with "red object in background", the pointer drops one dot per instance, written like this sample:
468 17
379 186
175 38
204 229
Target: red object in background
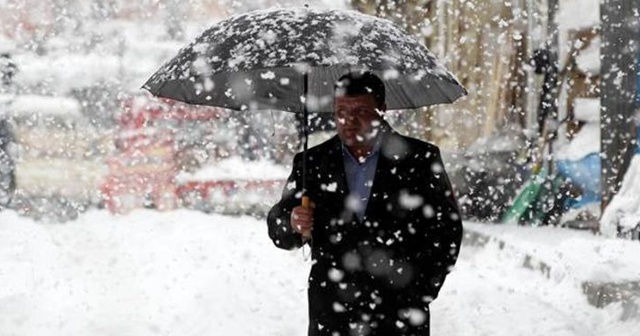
138 111
143 170
144 167
231 196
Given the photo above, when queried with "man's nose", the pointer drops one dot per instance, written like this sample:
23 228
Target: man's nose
350 120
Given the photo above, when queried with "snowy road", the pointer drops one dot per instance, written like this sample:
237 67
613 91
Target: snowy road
186 273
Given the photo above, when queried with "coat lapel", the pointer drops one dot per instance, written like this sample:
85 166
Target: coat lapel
378 189
384 174
336 162
387 161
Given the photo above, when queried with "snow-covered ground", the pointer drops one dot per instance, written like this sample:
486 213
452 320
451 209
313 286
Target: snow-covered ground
572 255
188 273
148 273
235 168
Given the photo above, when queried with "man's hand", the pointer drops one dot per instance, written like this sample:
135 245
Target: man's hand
302 220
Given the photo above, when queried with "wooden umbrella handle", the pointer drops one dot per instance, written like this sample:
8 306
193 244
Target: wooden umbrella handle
306 202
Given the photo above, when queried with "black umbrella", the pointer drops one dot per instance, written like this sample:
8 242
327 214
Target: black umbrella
289 59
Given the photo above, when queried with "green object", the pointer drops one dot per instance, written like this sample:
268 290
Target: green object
526 199
549 204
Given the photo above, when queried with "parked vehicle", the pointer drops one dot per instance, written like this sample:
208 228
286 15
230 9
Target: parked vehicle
56 155
152 141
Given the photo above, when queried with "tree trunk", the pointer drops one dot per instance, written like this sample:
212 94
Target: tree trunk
619 52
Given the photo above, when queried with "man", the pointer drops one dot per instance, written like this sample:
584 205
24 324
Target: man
384 227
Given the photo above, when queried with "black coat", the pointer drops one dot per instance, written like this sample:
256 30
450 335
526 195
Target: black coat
367 275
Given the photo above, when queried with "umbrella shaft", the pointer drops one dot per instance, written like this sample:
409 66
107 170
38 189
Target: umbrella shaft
305 132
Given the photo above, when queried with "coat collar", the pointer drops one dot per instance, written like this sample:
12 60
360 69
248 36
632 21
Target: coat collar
387 160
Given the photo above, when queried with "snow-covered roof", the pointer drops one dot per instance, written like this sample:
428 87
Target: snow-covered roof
588 60
578 14
64 71
235 168
6 45
17 105
587 109
585 142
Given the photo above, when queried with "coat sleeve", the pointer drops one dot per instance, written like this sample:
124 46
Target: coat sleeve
442 235
279 218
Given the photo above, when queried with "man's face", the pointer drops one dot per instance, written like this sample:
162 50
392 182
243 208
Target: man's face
357 119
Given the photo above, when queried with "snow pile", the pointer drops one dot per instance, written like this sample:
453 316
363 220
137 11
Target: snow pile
588 60
491 288
577 14
571 254
587 140
235 168
6 45
29 105
587 109
65 71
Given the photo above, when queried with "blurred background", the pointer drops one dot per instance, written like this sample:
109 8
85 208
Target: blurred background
124 214
552 101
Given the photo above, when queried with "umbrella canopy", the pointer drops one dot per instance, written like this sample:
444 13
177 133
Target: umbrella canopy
281 59
289 60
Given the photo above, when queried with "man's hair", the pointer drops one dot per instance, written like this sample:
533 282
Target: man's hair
360 83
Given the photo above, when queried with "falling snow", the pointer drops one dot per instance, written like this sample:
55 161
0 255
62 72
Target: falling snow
125 213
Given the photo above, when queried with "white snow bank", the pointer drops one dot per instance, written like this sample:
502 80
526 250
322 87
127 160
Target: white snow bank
588 60
63 71
578 255
576 14
490 287
6 45
20 105
586 142
76 179
235 168
587 109
624 209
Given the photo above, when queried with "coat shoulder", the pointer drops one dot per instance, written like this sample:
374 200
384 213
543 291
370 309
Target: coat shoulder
410 148
421 145
325 147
